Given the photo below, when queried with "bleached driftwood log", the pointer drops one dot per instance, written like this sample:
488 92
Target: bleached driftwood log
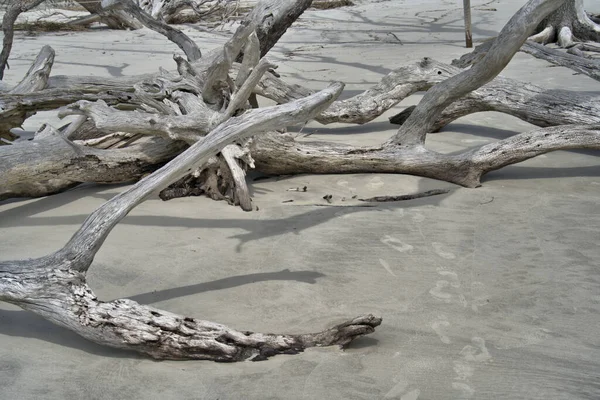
55 288
525 101
405 152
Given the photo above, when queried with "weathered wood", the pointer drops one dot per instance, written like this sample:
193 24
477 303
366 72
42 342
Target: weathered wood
181 11
271 19
187 45
510 39
231 154
531 103
54 286
468 34
35 79
587 66
14 9
114 19
280 154
52 164
566 25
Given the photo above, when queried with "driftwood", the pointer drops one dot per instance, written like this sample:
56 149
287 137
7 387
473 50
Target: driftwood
35 80
579 63
186 44
189 11
201 118
114 19
528 102
14 9
567 25
54 286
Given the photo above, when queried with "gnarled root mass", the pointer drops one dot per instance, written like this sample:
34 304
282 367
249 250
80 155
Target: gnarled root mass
567 25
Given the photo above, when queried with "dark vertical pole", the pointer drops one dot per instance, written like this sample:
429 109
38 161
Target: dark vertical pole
468 37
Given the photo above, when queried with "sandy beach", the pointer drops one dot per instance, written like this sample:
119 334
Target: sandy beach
487 293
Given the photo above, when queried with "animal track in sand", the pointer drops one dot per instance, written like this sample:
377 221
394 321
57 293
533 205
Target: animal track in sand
464 366
442 251
439 293
440 326
399 392
375 183
387 267
396 244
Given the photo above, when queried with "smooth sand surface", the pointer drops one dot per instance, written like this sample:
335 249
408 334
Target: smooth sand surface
489 293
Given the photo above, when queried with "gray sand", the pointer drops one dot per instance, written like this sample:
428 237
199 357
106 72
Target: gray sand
489 293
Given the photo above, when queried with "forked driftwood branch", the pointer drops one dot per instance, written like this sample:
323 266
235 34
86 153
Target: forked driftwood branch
55 288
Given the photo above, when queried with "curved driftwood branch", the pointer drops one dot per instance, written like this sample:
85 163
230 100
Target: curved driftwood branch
531 103
114 19
370 104
176 36
509 41
54 286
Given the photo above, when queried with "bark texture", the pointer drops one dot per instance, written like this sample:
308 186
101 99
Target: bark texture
201 119
114 19
566 25
11 14
54 286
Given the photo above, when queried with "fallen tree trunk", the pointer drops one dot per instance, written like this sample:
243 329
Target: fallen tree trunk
210 112
528 102
55 288
52 164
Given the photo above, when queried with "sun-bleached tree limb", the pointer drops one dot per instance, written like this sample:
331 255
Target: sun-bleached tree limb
15 8
187 45
509 41
54 286
586 66
280 154
114 19
271 19
528 102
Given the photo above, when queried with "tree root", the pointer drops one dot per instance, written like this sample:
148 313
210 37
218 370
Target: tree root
566 26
